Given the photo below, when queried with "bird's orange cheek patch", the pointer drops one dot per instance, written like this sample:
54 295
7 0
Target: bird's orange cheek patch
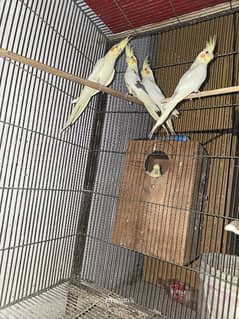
202 55
148 71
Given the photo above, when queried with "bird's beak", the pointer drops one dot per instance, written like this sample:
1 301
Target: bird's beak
123 44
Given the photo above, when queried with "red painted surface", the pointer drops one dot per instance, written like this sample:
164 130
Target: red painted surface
121 15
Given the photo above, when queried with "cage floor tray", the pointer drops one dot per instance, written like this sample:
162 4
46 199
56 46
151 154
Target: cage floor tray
70 301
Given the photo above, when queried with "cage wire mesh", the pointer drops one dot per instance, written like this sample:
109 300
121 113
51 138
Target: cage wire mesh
82 234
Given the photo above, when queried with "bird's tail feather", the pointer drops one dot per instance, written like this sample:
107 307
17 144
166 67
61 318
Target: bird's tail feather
168 110
80 105
149 104
175 113
165 128
170 126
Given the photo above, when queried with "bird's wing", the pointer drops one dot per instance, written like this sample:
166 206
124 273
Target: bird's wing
155 93
153 90
148 103
110 78
94 76
136 87
86 94
157 90
192 79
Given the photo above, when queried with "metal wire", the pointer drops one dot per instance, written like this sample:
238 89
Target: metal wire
60 195
40 187
72 301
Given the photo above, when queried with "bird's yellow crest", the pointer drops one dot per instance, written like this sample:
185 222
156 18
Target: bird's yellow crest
146 70
146 63
129 51
210 45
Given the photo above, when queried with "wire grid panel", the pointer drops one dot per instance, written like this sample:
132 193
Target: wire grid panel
124 270
41 188
42 171
69 301
103 262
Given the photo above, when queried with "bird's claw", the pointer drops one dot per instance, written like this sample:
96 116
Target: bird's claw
130 95
74 101
176 113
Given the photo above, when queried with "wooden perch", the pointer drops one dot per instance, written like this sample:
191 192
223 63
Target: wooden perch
18 58
46 68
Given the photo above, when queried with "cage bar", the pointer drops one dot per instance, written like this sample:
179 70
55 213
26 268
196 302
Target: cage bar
73 242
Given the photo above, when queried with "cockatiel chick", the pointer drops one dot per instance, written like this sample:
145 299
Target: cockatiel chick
156 171
135 86
190 82
103 73
155 92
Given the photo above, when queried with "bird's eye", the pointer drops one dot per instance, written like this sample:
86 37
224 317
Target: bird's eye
206 52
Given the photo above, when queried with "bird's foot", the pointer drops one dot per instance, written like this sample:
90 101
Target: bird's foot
130 95
74 101
176 113
198 91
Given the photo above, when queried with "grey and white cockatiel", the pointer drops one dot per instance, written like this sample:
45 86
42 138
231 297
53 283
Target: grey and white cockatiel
103 73
190 82
135 86
155 93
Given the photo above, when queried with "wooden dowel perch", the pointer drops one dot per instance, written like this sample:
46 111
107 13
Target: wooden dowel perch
18 58
46 68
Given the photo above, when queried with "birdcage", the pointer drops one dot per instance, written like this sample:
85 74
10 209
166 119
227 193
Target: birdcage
98 220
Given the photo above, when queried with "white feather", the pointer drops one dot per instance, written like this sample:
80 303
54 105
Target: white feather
135 86
157 96
190 82
103 73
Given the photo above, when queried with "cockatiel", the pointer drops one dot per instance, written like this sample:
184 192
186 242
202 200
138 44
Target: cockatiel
190 82
156 171
103 73
155 92
135 86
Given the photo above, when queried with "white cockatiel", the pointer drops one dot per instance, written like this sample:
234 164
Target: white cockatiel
155 93
190 82
135 86
103 73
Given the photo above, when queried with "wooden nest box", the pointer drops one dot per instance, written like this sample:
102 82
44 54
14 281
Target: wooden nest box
162 216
